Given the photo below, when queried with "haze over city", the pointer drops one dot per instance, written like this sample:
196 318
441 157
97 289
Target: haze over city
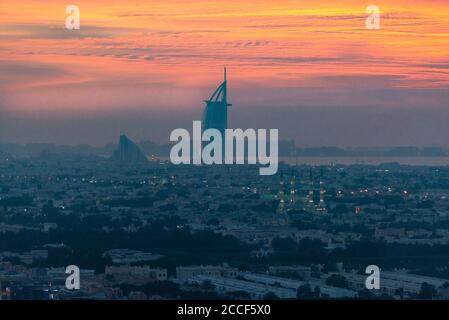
126 173
311 69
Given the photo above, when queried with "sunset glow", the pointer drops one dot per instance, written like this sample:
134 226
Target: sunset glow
169 55
182 44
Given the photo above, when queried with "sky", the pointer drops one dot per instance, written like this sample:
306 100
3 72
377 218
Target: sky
309 68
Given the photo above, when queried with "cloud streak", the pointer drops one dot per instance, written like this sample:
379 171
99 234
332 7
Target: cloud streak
168 55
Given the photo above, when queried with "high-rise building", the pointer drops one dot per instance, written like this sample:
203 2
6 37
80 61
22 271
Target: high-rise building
216 112
128 152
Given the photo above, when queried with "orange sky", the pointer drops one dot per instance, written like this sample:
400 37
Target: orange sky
164 55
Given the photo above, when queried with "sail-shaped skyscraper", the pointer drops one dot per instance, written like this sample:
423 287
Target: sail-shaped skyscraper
216 112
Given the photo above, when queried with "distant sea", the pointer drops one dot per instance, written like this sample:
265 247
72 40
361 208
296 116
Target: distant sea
412 161
326 161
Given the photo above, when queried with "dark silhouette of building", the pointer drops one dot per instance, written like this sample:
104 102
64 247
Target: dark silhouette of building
216 112
128 152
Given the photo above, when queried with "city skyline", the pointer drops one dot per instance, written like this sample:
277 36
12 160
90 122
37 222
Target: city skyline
312 70
126 174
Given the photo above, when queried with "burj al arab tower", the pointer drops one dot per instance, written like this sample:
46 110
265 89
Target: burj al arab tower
215 114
